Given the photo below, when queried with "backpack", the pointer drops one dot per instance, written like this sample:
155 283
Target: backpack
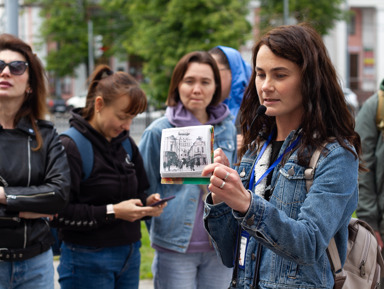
86 152
364 265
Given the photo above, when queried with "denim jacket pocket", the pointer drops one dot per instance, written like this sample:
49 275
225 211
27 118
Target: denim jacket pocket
228 146
290 191
245 169
292 268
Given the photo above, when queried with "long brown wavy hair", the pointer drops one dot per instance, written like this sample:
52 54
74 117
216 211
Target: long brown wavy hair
34 106
326 115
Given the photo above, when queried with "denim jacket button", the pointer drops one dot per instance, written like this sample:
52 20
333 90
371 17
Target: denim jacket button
251 220
253 257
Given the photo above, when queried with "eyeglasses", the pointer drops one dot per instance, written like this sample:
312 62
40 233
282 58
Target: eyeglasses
15 67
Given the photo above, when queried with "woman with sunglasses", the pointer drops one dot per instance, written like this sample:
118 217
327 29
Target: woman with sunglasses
34 173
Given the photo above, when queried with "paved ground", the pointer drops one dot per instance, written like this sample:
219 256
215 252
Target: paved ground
144 284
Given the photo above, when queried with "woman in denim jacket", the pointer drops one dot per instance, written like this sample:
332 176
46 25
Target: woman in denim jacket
185 257
260 216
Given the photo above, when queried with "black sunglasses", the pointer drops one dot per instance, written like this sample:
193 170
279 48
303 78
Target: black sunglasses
15 67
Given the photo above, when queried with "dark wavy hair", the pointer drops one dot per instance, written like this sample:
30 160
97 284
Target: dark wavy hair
326 115
34 106
111 86
179 72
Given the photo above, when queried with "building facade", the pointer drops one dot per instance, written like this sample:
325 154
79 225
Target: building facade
353 47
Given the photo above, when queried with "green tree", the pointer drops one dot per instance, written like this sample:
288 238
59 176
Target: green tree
65 27
157 32
162 31
321 14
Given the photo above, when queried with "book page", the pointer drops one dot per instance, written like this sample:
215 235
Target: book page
185 151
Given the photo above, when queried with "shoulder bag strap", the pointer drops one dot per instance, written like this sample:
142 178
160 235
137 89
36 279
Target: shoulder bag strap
332 252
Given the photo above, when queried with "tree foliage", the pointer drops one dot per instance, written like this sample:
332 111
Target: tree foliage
63 24
321 14
158 32
163 31
65 28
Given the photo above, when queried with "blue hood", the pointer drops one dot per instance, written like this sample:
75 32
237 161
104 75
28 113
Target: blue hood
241 73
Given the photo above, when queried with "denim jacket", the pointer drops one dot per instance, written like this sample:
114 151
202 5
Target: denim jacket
172 230
294 227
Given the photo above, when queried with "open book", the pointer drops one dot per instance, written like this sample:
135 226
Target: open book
184 152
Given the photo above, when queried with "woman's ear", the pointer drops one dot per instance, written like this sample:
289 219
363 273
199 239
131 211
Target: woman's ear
99 104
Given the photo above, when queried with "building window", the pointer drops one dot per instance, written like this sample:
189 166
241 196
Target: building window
354 71
352 24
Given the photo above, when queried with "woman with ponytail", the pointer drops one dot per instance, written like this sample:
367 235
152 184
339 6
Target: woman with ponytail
100 227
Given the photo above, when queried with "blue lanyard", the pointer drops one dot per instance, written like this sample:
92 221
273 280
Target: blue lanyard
288 149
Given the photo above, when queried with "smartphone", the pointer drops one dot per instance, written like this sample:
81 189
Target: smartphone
162 201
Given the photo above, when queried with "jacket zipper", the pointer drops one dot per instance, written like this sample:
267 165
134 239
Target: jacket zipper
14 197
29 178
3 181
25 235
15 219
29 161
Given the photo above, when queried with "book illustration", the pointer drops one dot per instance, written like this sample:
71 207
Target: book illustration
184 152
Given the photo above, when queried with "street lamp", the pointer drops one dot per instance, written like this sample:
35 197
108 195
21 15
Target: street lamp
12 12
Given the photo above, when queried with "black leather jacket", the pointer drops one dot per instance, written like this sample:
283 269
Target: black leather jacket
33 181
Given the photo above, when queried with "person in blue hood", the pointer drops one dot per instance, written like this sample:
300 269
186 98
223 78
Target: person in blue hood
184 256
235 73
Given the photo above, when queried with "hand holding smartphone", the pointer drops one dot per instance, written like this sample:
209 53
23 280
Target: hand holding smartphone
162 201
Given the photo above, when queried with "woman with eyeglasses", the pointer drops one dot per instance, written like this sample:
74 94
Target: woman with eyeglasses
34 173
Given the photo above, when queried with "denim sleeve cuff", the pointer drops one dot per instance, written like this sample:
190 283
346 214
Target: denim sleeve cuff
239 216
214 210
253 217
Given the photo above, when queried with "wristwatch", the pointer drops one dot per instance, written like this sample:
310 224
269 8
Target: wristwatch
110 213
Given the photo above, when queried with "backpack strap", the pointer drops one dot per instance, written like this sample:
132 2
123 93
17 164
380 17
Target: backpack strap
334 258
128 147
310 171
380 110
333 254
85 149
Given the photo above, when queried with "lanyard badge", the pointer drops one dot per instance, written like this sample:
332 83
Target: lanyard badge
244 240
